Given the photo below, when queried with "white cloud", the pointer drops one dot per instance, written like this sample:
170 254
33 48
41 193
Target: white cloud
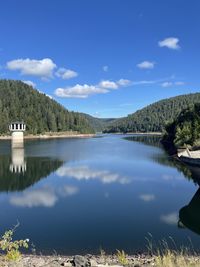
171 218
108 84
146 65
42 68
167 84
147 197
66 74
45 197
114 85
144 82
85 90
30 83
85 173
80 91
171 43
103 87
105 68
124 82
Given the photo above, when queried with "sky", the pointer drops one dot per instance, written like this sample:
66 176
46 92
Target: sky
107 58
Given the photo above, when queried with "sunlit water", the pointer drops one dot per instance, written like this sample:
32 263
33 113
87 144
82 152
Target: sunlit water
80 195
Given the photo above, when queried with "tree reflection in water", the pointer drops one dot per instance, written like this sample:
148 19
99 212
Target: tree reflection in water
18 173
189 215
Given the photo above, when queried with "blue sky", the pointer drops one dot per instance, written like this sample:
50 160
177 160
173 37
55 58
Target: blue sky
106 58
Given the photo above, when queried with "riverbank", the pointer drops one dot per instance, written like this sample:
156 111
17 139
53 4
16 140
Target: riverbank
141 260
147 133
50 136
76 261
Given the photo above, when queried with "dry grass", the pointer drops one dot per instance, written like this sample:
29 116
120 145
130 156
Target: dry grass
173 259
166 253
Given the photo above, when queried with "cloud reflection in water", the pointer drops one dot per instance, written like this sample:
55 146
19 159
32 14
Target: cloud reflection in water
42 197
85 173
171 218
147 197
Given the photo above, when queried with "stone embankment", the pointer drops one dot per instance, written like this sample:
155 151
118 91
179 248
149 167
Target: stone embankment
78 261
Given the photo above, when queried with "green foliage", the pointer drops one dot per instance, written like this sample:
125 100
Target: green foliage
19 101
122 257
98 124
12 247
154 117
185 129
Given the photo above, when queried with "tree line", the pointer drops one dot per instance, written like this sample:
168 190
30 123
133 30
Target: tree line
154 117
185 129
19 101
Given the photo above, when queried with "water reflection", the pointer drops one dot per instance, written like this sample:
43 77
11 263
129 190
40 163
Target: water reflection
189 216
110 193
147 197
84 172
18 163
150 140
46 196
190 172
16 174
170 218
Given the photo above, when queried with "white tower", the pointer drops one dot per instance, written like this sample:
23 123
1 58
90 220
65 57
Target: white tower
17 129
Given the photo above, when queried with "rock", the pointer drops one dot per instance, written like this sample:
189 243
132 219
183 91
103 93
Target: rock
80 261
67 264
54 263
93 262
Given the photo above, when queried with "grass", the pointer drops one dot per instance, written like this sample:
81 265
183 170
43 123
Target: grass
12 247
164 254
122 257
167 253
176 259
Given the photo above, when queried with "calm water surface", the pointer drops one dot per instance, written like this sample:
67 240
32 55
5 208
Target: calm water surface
80 195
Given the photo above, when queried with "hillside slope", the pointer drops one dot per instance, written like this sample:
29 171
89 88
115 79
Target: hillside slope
19 101
98 124
184 130
154 117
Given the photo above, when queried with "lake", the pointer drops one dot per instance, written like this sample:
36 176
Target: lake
77 196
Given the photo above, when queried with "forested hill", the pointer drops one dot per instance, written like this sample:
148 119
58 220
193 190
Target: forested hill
19 101
98 124
154 117
184 130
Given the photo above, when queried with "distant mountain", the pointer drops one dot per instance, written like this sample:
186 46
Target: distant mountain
98 124
154 117
19 101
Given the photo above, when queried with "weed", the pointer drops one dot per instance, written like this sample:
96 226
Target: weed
122 257
12 247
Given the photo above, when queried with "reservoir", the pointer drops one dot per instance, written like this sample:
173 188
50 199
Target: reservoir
81 195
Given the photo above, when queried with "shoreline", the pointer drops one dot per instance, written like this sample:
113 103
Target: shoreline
103 260
147 133
70 135
87 260
50 136
137 133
